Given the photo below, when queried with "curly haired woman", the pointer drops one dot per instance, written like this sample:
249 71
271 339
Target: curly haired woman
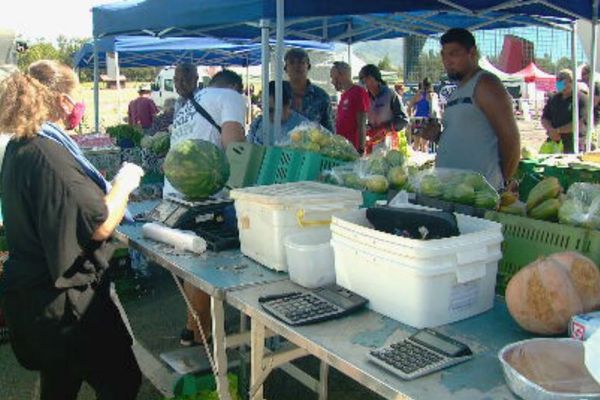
59 213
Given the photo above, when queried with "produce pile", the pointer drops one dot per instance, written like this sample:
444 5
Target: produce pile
376 173
312 137
125 133
457 186
158 143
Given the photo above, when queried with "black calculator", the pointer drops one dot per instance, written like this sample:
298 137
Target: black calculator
302 308
424 352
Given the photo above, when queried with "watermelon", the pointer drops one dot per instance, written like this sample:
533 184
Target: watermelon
196 168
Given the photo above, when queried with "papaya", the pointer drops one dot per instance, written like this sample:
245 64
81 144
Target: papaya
549 188
516 208
507 198
546 211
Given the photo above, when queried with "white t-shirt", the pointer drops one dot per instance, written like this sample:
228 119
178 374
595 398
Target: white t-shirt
223 105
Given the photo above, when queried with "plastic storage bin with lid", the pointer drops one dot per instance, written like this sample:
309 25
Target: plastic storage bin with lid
267 214
422 283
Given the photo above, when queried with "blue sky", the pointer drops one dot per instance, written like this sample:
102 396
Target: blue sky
50 19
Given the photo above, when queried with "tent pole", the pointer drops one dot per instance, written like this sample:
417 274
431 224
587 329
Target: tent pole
278 70
248 96
575 89
266 55
592 83
96 89
118 73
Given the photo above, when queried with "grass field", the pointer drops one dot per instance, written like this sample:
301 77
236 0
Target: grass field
113 105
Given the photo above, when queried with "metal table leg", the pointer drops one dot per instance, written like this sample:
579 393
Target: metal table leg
323 380
219 350
257 353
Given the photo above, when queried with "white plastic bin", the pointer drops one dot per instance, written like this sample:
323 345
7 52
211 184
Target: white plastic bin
420 283
310 258
267 214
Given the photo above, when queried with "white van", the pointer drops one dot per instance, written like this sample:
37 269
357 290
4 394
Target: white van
163 87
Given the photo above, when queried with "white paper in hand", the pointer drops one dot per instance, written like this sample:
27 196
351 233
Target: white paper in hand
592 355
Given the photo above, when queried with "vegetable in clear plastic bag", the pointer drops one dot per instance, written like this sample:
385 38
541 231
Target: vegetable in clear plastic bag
313 137
377 173
581 206
455 185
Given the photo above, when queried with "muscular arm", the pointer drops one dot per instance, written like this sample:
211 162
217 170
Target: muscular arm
493 99
232 132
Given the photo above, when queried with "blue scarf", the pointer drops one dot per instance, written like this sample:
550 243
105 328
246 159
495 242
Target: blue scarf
53 132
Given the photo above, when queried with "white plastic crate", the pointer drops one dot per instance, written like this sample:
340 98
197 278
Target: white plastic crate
267 214
420 283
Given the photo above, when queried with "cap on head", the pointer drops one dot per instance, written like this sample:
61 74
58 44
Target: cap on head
144 88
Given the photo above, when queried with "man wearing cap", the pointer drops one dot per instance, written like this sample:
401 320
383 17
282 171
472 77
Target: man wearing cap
307 99
351 118
480 131
142 110
557 117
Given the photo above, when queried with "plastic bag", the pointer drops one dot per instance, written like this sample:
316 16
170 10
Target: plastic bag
552 147
455 185
592 355
386 139
313 137
581 206
376 173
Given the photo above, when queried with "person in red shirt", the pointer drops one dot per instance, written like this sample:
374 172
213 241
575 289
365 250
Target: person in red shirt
142 110
351 119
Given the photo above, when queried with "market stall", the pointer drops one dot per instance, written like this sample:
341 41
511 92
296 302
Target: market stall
395 269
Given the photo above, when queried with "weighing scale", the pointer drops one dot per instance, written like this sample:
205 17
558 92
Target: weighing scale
213 219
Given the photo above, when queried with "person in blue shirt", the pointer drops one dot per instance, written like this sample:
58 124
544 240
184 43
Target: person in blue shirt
289 118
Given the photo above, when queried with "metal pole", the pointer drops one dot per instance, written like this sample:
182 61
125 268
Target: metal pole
249 97
278 71
592 83
118 73
266 55
96 89
575 89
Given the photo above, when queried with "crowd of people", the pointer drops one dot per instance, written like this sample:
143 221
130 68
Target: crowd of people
60 212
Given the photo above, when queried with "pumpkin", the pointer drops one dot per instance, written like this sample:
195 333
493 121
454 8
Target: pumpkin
544 295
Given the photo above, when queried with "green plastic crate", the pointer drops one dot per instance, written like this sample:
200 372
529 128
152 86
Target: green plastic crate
313 164
370 198
280 165
245 160
575 174
527 239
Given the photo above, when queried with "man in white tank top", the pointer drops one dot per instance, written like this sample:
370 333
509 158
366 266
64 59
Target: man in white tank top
480 132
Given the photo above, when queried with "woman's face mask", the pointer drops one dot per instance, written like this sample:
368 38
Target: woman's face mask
76 115
560 85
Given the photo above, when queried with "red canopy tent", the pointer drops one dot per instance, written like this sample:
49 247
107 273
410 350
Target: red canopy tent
532 74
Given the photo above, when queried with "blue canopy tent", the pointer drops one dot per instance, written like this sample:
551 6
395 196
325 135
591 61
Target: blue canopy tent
311 20
145 51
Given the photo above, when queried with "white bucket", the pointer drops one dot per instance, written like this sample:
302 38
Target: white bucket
310 258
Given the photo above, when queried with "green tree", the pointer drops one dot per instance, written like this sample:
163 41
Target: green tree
385 64
563 63
429 66
67 47
546 64
38 51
